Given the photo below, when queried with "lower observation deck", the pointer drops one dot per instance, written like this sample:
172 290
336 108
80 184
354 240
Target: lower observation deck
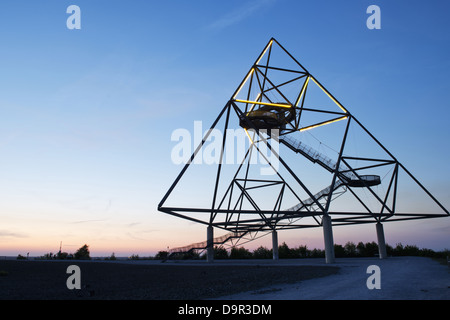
364 181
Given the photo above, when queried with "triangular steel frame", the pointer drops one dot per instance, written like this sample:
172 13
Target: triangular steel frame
246 100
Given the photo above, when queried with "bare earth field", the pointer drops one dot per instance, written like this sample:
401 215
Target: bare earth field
31 280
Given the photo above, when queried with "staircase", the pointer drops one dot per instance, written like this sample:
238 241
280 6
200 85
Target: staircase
318 196
202 245
316 157
329 164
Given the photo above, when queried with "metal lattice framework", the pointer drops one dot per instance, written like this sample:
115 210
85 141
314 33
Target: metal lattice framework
277 103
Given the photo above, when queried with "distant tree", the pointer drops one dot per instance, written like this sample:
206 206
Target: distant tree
262 253
220 253
389 250
427 253
361 249
192 255
284 252
83 253
411 250
161 255
47 256
111 257
444 255
339 251
61 255
369 249
398 250
350 249
317 253
294 253
240 253
303 251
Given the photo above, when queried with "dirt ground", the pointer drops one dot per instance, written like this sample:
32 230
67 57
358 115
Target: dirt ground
46 280
400 278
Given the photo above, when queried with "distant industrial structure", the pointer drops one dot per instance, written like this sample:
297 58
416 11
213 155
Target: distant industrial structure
281 106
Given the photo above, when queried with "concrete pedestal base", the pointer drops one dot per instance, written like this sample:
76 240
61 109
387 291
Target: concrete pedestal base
381 241
210 244
328 239
275 245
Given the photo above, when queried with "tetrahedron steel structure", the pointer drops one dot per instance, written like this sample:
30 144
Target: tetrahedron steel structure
323 168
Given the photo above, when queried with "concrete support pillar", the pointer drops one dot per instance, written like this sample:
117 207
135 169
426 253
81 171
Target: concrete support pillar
210 244
328 239
381 241
275 245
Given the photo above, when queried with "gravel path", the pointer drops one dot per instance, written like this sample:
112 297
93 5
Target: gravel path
401 278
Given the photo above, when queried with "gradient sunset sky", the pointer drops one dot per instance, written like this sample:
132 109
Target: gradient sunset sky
86 116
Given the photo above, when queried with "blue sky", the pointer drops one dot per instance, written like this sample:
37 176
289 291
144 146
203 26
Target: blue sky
86 115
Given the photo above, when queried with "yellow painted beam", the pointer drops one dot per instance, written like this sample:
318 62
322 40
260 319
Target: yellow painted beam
303 91
322 124
248 135
265 103
329 95
243 82
264 52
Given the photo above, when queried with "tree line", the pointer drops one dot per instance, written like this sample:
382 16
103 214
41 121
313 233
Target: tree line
350 249
82 253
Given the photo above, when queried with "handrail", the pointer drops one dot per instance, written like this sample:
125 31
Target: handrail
317 196
316 156
202 245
